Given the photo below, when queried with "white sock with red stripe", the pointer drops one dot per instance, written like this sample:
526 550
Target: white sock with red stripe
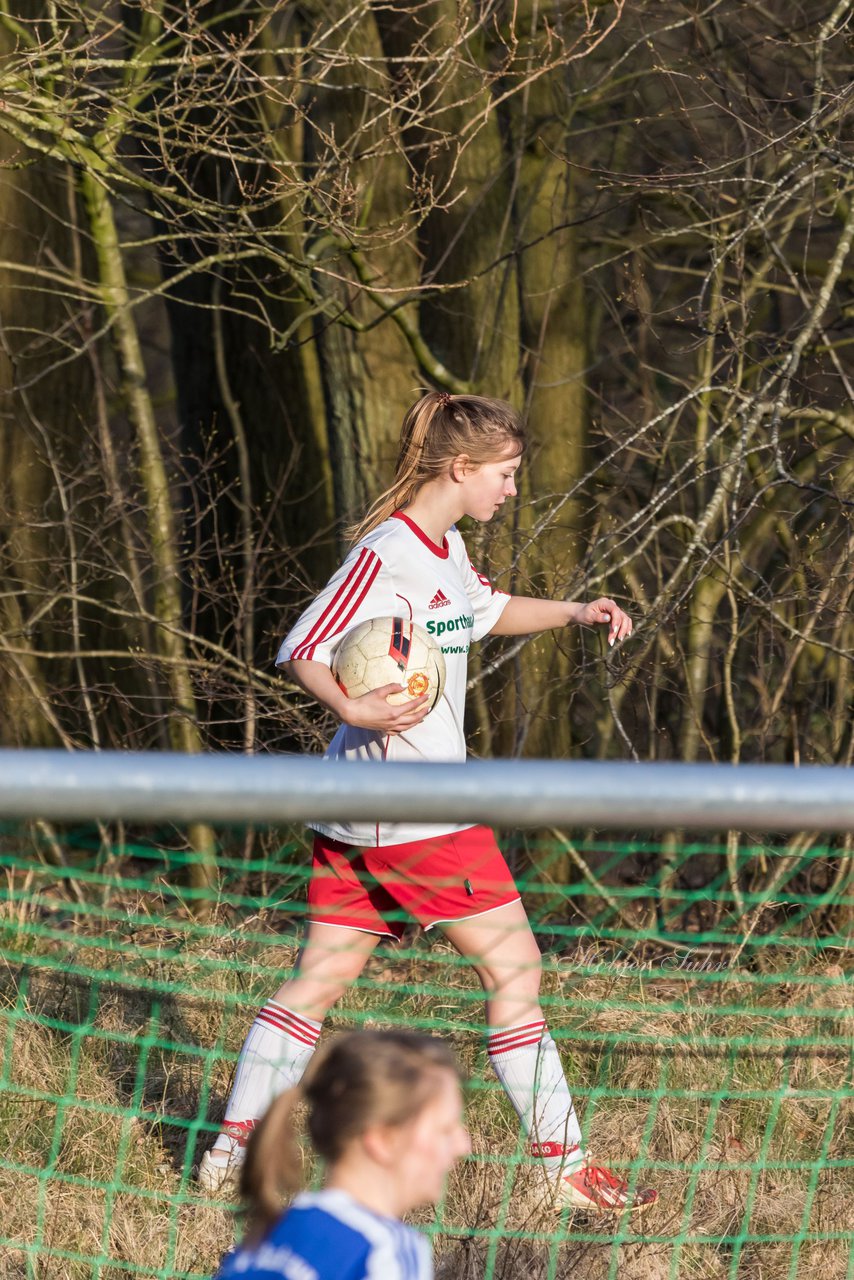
526 1061
275 1053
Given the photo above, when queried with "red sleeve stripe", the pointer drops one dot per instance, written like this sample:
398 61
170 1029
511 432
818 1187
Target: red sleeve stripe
343 604
480 577
341 621
344 590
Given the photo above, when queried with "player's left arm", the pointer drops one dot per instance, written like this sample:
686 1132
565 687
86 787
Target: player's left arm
525 615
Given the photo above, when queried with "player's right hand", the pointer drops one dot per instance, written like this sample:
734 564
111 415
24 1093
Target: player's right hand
371 711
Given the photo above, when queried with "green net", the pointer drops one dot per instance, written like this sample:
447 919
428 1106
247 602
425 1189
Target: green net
700 996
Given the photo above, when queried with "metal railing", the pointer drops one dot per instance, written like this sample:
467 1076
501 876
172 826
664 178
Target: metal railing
154 786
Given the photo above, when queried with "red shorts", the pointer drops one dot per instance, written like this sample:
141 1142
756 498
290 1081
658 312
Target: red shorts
447 878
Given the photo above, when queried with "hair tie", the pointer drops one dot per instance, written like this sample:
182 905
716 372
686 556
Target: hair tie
444 399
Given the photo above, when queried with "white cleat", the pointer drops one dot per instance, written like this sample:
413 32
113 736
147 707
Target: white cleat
215 1176
219 1170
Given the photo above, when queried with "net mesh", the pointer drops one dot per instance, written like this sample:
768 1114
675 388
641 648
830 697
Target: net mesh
700 997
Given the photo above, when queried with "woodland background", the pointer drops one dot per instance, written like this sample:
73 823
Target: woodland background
237 239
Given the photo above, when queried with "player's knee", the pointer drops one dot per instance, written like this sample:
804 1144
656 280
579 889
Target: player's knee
530 973
520 978
528 962
347 968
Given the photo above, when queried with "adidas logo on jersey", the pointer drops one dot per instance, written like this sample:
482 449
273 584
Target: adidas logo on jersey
439 601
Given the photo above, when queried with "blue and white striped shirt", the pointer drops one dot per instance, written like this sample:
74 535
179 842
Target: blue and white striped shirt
327 1235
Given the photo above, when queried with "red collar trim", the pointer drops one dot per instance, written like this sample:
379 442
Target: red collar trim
442 552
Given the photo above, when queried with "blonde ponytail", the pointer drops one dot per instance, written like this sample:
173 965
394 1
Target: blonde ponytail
438 428
273 1165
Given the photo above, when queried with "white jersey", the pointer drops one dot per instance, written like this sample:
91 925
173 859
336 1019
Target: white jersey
396 571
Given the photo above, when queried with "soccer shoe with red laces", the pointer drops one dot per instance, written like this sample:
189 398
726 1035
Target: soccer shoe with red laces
220 1170
593 1187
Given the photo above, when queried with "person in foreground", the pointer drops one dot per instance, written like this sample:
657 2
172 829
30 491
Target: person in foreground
458 457
385 1114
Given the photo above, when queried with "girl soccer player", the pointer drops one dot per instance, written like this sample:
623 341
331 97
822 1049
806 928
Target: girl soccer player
458 457
385 1113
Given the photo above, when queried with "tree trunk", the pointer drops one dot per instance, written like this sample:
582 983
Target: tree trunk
36 417
554 335
473 331
368 371
184 731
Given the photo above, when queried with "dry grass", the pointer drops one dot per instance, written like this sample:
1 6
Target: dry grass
101 1081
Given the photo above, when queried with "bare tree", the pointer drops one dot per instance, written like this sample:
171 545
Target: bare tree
241 236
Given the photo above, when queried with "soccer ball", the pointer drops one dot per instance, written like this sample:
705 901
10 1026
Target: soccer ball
390 651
